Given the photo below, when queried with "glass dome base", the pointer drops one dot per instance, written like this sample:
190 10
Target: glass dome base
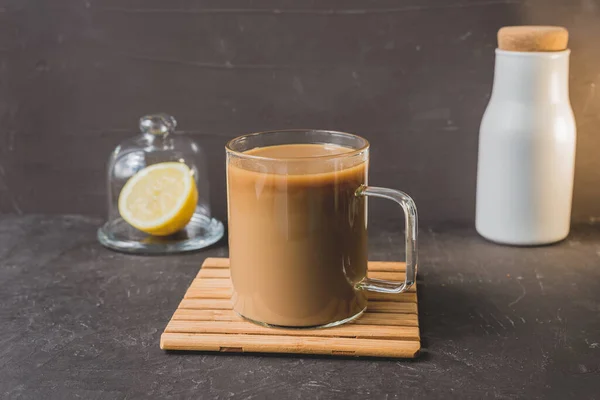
199 233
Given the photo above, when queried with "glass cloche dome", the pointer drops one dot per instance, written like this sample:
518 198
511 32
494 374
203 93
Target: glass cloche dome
158 193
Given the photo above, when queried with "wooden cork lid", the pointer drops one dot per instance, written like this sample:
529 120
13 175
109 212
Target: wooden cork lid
533 38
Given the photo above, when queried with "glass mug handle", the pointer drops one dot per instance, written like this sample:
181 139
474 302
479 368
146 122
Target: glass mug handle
410 213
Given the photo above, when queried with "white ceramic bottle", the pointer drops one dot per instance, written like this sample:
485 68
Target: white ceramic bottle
527 144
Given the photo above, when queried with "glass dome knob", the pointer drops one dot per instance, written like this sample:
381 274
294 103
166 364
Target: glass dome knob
158 124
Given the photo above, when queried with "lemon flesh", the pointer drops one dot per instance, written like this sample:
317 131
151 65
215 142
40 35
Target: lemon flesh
159 199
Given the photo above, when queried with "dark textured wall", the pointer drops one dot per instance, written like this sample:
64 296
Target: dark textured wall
413 76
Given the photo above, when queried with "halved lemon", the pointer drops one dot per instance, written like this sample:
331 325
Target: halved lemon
159 199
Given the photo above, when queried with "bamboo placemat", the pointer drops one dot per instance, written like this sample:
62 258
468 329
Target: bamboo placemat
205 321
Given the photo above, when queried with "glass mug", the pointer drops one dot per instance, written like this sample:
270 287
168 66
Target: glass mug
297 208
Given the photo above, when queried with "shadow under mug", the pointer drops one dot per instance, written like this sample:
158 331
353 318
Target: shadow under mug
298 228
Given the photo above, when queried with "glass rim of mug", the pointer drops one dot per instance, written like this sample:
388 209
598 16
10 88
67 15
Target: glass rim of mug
355 151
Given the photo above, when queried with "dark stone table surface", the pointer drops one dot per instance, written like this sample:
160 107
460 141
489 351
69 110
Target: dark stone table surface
80 321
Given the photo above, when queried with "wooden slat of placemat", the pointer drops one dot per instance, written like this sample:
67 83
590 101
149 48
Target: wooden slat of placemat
205 321
291 344
381 319
221 289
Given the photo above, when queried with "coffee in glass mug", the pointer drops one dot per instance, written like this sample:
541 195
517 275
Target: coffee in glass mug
297 208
